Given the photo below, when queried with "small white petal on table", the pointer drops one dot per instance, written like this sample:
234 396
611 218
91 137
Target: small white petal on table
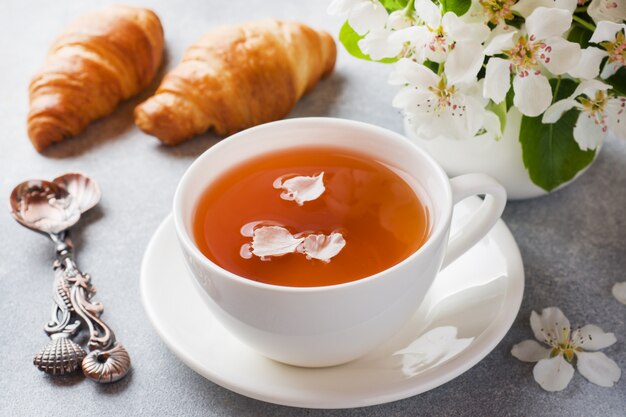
593 338
553 374
619 292
598 368
530 351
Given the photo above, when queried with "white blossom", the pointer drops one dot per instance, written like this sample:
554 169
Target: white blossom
588 67
610 36
599 113
436 107
363 15
554 369
539 45
611 10
393 39
448 39
527 7
385 43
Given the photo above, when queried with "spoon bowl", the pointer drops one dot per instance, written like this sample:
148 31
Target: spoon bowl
84 191
43 206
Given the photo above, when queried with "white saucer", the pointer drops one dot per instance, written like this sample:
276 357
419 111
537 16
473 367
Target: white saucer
479 294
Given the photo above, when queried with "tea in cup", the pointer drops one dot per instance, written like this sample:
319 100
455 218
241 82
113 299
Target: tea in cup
314 240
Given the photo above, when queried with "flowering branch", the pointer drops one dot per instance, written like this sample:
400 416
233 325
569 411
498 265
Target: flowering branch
495 55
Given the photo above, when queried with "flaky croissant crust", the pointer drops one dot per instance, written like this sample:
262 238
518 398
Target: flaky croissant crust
235 77
99 60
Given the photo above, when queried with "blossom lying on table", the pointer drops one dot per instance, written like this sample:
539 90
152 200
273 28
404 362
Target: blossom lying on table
463 64
554 369
619 292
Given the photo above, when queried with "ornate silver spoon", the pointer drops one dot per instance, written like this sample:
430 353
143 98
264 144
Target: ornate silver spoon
52 208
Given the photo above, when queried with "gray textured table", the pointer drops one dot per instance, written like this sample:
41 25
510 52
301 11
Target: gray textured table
573 242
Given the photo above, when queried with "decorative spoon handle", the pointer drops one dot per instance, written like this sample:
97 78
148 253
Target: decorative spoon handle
108 361
61 355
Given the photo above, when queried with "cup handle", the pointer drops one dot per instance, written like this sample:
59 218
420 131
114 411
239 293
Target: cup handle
481 222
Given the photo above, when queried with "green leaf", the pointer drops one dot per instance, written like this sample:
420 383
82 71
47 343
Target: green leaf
618 81
500 111
510 95
350 40
550 153
393 5
459 7
433 66
579 35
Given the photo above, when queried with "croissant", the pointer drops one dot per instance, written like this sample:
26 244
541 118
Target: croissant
236 77
99 60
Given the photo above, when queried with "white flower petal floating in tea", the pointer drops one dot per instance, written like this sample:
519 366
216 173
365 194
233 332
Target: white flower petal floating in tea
302 188
274 241
247 230
323 247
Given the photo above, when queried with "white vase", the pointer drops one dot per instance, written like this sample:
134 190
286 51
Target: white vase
501 159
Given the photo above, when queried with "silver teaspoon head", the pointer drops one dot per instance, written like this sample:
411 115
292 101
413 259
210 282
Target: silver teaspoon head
84 191
43 206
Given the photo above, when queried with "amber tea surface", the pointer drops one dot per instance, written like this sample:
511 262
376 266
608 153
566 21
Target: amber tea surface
356 209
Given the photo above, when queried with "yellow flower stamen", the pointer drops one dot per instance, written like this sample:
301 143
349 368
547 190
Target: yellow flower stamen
617 49
595 108
498 10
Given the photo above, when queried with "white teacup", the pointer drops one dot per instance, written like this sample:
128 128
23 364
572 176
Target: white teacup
330 325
